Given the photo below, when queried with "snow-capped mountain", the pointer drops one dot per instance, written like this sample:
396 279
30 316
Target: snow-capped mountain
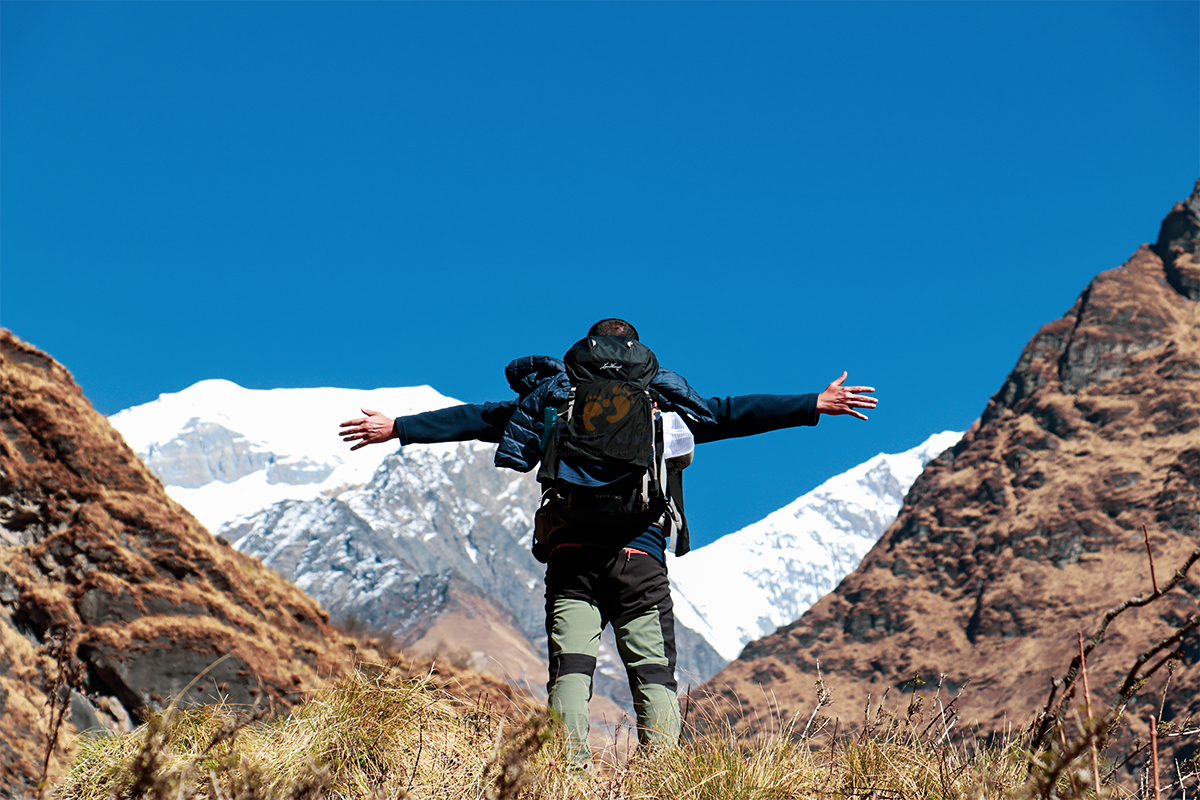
373 535
746 584
396 539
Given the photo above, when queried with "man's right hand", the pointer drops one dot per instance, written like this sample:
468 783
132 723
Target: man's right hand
371 429
838 399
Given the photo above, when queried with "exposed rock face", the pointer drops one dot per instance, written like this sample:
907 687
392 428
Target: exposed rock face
93 550
205 452
1177 247
388 553
1029 529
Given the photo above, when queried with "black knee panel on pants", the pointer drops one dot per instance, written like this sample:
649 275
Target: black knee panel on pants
571 664
660 674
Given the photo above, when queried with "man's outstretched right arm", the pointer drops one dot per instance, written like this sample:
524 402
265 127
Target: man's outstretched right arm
484 422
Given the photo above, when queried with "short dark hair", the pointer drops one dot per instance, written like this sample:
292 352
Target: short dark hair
614 327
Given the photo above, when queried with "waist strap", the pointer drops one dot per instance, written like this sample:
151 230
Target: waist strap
629 550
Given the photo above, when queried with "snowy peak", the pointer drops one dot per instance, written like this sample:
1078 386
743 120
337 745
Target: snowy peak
285 421
871 493
746 584
225 451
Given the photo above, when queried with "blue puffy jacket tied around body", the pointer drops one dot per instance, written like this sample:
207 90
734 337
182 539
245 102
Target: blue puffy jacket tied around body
540 381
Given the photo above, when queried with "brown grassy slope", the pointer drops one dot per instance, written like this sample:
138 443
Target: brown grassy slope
92 548
1030 528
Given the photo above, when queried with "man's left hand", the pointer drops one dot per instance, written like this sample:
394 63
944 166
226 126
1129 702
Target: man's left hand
838 399
371 429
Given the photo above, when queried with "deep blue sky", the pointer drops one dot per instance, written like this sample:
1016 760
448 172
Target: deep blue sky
382 194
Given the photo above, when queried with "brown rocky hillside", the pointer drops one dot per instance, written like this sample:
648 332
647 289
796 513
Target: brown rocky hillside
1031 528
93 552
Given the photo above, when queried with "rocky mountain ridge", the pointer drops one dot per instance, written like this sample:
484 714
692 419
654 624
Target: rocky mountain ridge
99 564
748 583
1030 528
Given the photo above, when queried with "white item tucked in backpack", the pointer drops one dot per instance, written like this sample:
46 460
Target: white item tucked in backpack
678 443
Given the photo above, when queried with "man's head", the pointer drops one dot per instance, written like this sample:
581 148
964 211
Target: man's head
614 327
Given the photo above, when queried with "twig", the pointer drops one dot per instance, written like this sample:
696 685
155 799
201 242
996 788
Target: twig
1154 756
946 726
1162 703
1146 536
1062 735
1138 750
947 708
61 682
1184 733
824 698
1136 680
417 760
687 704
1087 698
1138 602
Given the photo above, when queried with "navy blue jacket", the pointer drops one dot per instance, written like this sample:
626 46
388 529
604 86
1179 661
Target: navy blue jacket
744 415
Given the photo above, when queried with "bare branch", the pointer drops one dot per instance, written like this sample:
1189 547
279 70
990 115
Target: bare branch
1153 580
1051 711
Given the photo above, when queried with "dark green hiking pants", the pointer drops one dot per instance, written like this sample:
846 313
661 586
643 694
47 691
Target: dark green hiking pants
586 589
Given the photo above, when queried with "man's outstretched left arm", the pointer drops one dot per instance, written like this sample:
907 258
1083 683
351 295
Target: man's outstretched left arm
747 415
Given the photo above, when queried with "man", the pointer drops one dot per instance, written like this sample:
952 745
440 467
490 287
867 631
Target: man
612 573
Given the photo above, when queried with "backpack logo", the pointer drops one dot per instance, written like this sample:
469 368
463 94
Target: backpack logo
594 406
610 365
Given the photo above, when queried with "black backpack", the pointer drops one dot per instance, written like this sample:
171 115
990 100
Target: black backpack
603 463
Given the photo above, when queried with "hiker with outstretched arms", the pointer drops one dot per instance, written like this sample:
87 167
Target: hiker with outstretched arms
609 432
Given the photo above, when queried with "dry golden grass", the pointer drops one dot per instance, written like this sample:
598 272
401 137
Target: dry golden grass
383 732
377 732
380 732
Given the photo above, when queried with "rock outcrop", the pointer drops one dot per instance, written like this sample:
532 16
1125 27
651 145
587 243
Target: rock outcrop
1030 528
93 554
